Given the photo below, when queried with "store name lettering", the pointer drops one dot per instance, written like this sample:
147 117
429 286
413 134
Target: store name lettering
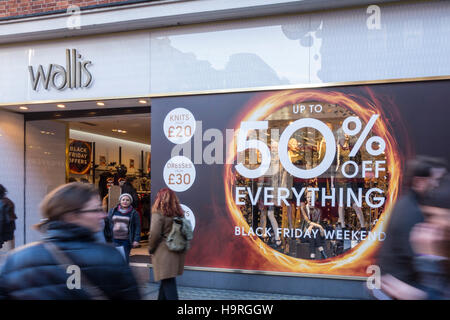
74 75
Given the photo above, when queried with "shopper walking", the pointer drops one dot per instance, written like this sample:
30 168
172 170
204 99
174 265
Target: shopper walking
68 263
430 241
167 265
396 254
125 224
7 218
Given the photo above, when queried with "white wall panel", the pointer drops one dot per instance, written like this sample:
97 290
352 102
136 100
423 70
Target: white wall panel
412 42
120 67
12 167
329 46
45 167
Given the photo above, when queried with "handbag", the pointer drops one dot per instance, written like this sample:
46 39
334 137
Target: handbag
64 261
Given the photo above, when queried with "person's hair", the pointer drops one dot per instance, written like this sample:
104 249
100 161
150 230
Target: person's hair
3 191
421 166
67 198
167 203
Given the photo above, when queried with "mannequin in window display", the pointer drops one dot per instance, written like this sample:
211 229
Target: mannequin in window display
343 154
330 174
297 158
271 179
311 224
109 184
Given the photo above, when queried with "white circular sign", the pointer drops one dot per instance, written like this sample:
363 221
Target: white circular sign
179 173
189 214
179 125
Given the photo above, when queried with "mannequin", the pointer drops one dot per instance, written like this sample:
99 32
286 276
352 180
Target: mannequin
294 152
330 173
274 180
311 221
344 148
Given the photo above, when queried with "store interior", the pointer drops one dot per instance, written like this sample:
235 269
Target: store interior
120 154
106 143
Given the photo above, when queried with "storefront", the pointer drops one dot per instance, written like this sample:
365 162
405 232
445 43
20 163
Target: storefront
287 161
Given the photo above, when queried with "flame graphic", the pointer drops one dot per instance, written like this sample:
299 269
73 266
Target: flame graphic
355 261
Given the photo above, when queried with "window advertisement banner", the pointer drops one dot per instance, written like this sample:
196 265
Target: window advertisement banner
301 180
79 156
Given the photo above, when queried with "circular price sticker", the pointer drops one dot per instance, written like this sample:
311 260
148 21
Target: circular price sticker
179 125
188 214
179 173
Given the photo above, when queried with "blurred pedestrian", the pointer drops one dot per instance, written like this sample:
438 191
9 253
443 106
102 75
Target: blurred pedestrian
125 224
167 265
7 218
430 241
396 255
68 263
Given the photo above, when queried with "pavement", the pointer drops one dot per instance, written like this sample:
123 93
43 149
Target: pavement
150 292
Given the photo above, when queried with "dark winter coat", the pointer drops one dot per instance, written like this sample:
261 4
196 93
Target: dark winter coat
7 220
31 273
396 256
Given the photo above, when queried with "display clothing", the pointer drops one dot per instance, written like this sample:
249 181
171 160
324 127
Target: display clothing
311 221
31 272
166 264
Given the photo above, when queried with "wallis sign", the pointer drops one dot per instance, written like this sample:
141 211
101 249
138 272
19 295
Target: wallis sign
74 75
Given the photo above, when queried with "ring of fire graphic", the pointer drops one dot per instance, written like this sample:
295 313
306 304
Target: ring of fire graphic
353 262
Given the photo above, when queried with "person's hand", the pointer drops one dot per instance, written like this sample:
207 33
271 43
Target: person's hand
425 239
135 244
399 290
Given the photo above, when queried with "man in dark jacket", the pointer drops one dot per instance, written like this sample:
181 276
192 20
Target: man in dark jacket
7 217
396 254
73 214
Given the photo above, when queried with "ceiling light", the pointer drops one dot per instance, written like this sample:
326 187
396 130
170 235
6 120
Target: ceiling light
143 101
100 104
61 106
23 108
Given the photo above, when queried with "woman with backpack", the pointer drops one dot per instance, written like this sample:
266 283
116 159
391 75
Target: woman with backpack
167 264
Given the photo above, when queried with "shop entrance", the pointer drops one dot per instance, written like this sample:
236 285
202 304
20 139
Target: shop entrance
108 146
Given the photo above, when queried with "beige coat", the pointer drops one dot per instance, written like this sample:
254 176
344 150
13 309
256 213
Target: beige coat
166 264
